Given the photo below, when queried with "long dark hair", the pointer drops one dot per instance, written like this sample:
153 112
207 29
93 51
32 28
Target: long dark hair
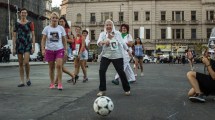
66 23
136 41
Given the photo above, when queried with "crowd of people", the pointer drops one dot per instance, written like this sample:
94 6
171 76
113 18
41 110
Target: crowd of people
118 48
5 54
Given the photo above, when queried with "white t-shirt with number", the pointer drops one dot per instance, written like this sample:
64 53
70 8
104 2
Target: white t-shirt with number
54 37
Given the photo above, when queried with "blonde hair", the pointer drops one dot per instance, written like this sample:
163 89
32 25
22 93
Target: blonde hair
54 13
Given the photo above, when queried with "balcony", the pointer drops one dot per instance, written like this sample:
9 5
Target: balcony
178 22
101 23
181 41
92 23
163 22
194 22
210 22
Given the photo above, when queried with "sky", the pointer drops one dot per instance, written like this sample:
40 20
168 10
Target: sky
56 3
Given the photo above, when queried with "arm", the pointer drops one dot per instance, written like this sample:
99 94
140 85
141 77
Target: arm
101 41
33 40
64 42
43 41
83 44
14 42
209 68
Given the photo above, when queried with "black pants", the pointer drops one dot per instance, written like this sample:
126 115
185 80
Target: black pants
118 65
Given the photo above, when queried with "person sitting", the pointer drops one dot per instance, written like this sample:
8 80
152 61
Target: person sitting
202 84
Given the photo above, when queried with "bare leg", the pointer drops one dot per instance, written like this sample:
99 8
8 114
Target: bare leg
59 64
136 65
191 75
27 66
51 71
21 69
141 65
77 65
83 67
191 92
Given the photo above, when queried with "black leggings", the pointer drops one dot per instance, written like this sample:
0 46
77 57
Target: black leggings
118 65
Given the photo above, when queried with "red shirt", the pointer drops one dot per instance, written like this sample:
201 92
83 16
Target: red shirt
78 41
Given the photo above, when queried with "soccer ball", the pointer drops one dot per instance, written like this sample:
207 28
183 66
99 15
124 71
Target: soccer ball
103 105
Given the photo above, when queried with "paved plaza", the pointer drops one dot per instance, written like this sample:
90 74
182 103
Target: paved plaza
160 95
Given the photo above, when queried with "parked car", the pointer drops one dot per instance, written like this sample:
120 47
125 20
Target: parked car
146 59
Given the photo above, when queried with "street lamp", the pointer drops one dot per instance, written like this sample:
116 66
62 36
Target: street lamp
120 13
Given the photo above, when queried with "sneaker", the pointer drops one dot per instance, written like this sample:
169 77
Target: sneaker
115 81
60 87
70 81
142 74
76 77
21 85
132 81
198 97
52 86
28 83
127 93
85 80
101 93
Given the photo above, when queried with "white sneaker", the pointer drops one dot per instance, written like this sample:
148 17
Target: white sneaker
142 74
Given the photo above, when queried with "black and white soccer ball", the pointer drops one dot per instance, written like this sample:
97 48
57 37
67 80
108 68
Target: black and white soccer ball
103 105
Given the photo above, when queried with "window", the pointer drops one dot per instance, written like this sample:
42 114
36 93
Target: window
210 15
208 32
148 34
135 16
78 17
92 17
121 14
193 33
178 15
178 33
163 33
147 16
193 15
136 33
163 15
106 15
92 34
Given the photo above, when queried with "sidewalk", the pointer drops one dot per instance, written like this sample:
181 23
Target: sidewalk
11 64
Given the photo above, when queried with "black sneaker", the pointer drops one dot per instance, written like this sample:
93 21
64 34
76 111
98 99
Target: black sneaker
85 80
21 85
116 81
28 83
198 97
76 77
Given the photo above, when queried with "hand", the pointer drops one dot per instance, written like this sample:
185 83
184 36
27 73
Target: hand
130 54
79 56
65 52
205 60
43 52
110 36
32 50
14 52
107 42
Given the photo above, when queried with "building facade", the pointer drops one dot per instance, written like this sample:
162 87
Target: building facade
171 25
9 15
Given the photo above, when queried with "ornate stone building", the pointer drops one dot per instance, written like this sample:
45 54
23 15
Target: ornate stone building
172 25
36 13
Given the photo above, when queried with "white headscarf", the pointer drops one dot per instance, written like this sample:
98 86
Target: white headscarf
113 27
